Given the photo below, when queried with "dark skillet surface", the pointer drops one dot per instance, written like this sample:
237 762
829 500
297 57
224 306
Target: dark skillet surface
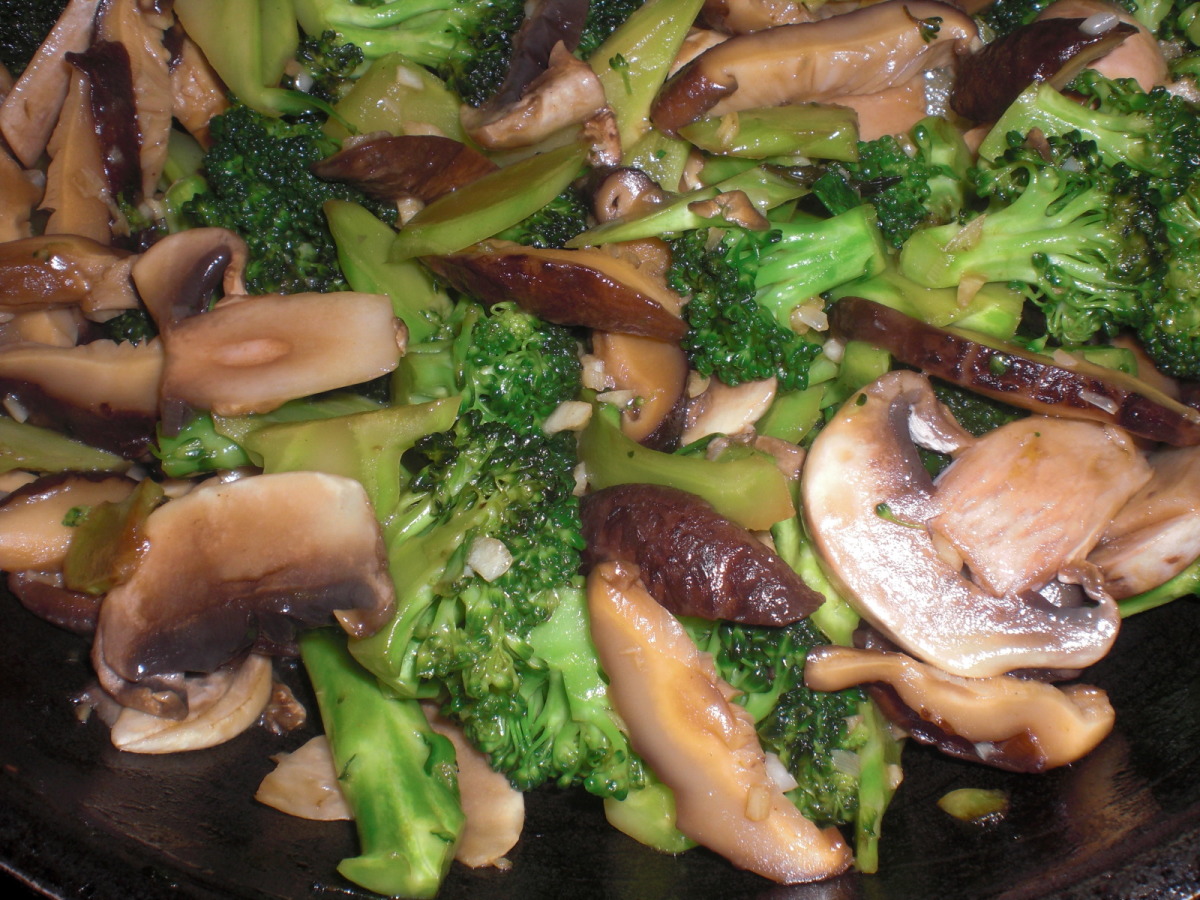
79 819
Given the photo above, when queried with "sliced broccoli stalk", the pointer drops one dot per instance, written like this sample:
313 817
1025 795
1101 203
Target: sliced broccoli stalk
808 130
812 256
25 446
105 545
748 487
362 246
633 62
398 775
648 816
489 205
393 91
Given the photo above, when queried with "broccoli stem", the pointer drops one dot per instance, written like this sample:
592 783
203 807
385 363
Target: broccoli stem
398 775
1185 584
25 446
878 760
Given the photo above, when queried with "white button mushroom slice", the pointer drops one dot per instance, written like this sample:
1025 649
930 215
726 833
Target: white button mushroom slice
1156 535
220 707
1138 56
862 52
232 565
33 529
31 108
866 500
701 745
178 275
1029 500
1061 724
494 809
304 784
253 354
722 409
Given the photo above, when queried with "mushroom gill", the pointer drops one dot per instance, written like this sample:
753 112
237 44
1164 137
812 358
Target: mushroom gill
867 501
235 565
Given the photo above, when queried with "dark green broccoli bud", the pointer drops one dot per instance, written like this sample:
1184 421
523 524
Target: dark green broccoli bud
1170 332
133 326
603 18
330 65
1004 16
909 187
260 186
477 75
731 335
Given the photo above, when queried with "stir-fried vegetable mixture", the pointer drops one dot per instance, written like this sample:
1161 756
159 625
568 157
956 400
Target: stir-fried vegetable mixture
566 384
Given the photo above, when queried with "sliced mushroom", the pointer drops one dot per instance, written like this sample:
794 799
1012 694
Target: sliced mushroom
547 24
57 327
722 409
867 500
1004 721
394 167
60 270
1053 50
253 354
863 52
700 744
495 810
125 22
20 192
28 113
231 566
568 93
103 393
655 372
43 594
220 707
34 533
745 16
181 273
571 287
1138 57
1156 535
77 193
692 560
1028 501
1062 385
623 192
197 92
304 784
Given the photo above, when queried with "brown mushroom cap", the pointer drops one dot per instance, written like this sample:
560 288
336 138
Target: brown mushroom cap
393 167
178 276
229 566
253 354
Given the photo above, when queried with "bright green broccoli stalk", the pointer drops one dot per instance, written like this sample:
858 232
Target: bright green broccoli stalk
1080 235
260 186
399 776
1185 584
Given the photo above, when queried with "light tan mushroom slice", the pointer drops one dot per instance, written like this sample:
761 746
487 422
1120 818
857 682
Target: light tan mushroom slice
1028 501
178 275
893 110
31 108
701 745
1156 535
655 372
20 192
866 501
197 91
101 377
229 562
495 810
65 269
1061 724
567 93
745 16
220 707
77 191
33 530
304 784
254 354
1138 56
722 409
140 33
861 52
58 327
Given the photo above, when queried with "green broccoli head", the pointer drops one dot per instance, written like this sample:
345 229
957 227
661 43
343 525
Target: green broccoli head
331 64
1170 333
259 185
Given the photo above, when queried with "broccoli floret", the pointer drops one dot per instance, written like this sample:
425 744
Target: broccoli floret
909 186
331 65
564 217
603 19
731 335
1004 16
476 76
133 326
1080 236
1170 333
259 185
